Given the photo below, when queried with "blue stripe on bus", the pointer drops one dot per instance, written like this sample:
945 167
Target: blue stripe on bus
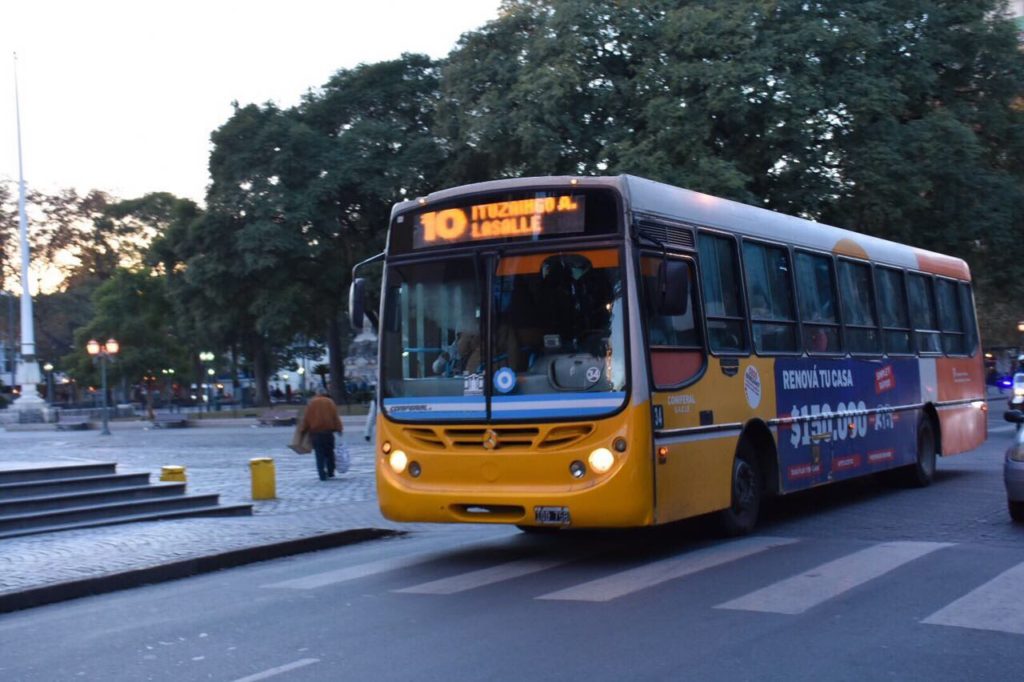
576 404
575 396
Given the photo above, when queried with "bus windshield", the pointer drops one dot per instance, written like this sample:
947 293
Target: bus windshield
548 343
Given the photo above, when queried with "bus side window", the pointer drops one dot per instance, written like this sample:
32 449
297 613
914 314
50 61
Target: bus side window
970 319
770 297
892 310
922 310
723 305
675 344
818 305
859 318
954 340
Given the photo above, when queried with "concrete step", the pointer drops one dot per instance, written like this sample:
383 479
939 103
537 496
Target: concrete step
107 513
67 499
74 484
152 515
43 473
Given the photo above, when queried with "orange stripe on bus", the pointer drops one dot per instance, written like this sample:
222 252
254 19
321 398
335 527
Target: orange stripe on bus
524 265
938 264
848 247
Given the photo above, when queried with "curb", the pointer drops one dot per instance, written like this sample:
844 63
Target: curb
50 594
349 421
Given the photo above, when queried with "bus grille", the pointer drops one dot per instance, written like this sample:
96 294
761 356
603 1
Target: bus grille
499 437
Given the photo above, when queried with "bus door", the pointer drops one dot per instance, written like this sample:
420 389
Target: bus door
676 359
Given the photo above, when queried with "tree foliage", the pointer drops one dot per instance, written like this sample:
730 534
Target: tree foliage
132 307
901 119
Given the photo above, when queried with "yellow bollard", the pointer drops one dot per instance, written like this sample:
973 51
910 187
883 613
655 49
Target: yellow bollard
173 472
264 486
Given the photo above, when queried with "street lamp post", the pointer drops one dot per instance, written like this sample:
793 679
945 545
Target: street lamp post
204 357
168 379
48 368
103 351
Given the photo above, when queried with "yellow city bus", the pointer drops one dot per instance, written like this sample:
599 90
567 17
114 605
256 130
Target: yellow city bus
615 352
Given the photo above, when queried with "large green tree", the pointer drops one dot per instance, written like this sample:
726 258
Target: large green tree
930 151
234 269
896 119
132 307
374 145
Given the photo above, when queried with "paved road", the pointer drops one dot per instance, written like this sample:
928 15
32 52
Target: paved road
217 461
869 582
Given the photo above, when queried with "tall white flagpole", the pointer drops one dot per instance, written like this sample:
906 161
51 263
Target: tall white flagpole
28 374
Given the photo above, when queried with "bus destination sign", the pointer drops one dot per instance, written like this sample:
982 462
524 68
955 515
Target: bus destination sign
534 217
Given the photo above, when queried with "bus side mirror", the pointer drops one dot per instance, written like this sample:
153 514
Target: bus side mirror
357 302
674 285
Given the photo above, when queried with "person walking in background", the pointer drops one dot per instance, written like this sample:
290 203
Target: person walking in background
321 421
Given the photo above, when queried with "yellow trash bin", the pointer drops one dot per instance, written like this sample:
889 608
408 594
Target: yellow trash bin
264 486
172 472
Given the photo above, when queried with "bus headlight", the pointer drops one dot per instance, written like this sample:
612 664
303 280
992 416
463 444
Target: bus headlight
601 460
398 461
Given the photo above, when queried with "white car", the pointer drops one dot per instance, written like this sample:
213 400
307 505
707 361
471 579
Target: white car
1013 469
1017 395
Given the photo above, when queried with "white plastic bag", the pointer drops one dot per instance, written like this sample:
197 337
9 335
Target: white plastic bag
342 457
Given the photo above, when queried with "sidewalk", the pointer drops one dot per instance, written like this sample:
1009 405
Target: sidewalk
308 513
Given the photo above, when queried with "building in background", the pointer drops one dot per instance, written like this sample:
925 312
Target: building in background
360 369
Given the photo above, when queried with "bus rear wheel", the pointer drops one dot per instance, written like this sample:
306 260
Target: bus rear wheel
921 473
741 516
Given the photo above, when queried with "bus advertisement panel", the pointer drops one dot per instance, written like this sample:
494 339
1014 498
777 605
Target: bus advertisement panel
839 418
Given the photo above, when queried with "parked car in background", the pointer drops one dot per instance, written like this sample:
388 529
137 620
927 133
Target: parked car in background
1017 392
1013 469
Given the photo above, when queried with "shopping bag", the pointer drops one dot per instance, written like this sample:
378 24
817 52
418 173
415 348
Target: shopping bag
342 457
301 443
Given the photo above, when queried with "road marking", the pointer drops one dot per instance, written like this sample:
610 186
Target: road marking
288 667
340 575
649 575
997 605
485 576
802 592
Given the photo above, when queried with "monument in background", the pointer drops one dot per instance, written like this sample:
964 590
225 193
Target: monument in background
27 373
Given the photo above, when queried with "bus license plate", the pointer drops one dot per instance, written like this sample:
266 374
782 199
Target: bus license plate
552 516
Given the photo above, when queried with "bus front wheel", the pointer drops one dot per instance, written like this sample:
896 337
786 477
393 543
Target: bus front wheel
741 516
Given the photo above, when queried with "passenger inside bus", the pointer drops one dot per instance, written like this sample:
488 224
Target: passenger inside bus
465 356
575 305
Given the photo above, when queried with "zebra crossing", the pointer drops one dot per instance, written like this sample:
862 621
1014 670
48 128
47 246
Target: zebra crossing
995 605
818 585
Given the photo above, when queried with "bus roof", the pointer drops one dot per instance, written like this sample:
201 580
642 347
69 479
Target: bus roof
675 203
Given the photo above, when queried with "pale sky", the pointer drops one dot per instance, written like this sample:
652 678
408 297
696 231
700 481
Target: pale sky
122 95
